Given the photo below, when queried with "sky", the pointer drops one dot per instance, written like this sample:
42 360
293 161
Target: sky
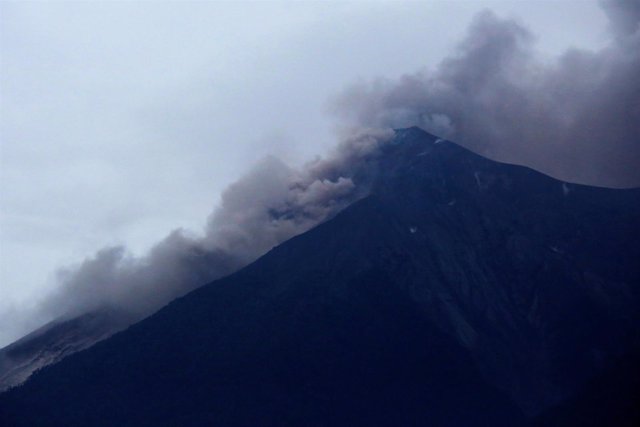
122 121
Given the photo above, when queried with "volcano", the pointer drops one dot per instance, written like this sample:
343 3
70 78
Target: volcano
459 291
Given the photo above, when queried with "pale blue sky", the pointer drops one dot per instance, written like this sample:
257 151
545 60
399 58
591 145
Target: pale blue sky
122 121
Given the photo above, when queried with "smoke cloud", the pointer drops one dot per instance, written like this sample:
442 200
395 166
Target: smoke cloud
272 203
576 117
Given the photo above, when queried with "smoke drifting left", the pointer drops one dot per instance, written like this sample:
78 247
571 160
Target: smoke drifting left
272 203
576 118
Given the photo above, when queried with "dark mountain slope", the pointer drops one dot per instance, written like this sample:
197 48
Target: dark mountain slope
611 399
457 277
539 278
284 342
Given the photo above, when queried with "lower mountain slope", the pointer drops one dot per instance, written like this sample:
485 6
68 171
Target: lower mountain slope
610 399
286 341
55 341
460 292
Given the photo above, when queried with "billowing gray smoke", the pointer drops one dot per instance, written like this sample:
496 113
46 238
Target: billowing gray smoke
267 206
576 118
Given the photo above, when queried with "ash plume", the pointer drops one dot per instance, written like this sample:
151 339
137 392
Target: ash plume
272 203
576 118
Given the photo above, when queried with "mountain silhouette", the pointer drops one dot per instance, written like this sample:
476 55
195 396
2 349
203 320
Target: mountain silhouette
459 292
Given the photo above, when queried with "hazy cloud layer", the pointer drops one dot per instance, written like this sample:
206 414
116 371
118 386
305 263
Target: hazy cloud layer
493 95
272 203
576 117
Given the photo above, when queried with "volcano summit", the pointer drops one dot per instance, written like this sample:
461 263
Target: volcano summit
455 291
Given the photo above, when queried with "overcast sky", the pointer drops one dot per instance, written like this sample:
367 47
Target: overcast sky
122 121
